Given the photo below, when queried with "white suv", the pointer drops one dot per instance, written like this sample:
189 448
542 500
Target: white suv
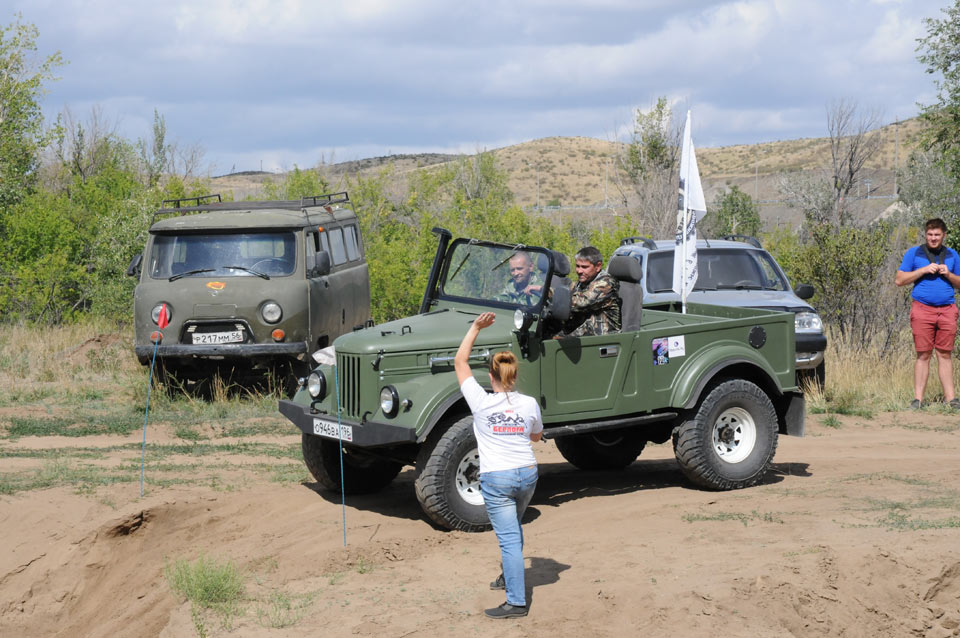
735 271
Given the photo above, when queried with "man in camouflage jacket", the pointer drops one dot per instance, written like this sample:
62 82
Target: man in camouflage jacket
595 298
525 285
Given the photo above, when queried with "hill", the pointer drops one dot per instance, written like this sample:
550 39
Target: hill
571 173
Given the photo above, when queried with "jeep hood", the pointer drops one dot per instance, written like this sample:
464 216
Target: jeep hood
436 330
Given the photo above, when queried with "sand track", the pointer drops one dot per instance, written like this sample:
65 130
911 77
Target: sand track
854 533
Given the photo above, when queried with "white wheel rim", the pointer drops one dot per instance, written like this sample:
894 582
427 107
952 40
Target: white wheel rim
734 435
468 478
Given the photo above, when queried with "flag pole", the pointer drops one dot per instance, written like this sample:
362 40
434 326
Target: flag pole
686 220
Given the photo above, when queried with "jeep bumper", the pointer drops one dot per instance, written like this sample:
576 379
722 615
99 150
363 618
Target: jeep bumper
357 433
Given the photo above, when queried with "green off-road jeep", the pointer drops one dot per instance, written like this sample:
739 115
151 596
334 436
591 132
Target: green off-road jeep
719 381
248 287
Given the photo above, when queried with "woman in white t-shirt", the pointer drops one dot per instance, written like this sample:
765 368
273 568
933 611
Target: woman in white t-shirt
504 424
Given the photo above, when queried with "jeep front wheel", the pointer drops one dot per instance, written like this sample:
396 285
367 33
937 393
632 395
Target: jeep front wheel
731 440
604 450
448 478
362 473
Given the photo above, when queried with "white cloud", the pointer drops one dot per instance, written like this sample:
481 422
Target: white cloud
893 40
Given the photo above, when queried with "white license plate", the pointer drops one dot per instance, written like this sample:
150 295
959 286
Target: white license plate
329 430
208 338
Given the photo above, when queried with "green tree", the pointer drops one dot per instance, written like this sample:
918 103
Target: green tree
851 270
940 52
22 134
296 184
733 213
646 170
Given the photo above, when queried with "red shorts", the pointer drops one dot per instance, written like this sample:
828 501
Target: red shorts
933 326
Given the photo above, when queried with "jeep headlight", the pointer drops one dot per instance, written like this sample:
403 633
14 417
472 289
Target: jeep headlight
389 400
271 312
808 322
316 385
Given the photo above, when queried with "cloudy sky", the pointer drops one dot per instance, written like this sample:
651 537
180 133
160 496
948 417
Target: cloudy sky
278 83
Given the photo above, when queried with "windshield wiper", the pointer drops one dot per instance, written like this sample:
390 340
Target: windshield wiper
516 248
462 262
739 287
189 272
250 270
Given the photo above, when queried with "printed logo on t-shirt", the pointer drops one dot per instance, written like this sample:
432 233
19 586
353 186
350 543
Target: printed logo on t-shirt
506 422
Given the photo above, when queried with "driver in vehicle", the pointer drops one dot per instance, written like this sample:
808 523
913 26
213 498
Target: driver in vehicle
525 284
595 298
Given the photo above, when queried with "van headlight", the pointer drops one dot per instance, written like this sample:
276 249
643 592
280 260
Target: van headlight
155 313
316 385
271 312
808 322
389 400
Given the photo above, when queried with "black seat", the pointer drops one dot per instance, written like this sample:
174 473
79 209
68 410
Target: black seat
628 271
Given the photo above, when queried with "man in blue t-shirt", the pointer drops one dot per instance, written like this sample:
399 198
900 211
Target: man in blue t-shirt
934 271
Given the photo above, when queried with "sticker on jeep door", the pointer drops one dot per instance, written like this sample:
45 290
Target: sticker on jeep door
661 351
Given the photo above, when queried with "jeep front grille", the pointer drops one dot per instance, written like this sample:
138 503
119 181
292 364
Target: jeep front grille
348 377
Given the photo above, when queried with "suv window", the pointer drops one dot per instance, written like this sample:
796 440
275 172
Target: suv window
718 269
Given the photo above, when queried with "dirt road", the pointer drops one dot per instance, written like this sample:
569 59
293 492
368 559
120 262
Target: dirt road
856 532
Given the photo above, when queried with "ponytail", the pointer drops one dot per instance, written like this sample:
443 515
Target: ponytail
503 367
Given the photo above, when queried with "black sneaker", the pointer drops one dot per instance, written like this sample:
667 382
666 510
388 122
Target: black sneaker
506 610
499 583
955 404
916 404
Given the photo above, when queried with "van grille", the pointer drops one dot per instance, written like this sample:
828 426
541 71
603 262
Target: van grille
348 376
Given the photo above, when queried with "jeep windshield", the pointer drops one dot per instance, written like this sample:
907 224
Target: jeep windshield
483 272
265 255
719 269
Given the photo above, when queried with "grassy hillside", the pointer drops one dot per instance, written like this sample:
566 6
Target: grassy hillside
577 171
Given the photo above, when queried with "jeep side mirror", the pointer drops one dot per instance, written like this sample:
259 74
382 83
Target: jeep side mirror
134 268
804 291
318 264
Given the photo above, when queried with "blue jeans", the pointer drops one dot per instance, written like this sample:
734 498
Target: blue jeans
506 494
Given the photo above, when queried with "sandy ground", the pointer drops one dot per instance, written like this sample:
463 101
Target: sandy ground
854 533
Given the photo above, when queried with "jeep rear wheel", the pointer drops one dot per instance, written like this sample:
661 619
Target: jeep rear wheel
362 473
604 450
731 440
448 478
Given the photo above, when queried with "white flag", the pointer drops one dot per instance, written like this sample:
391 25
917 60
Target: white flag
690 209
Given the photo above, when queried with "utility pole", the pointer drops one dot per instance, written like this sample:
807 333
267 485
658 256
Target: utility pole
756 175
896 154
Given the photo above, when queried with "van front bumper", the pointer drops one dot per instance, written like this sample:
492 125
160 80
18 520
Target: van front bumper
226 350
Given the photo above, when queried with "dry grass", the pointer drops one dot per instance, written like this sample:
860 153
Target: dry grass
78 359
868 382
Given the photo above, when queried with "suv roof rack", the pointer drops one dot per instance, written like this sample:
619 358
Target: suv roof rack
206 203
646 241
753 241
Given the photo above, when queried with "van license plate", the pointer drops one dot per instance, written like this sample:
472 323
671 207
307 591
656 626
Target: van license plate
213 338
329 430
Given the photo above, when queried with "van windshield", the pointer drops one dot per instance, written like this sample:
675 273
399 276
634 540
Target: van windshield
269 254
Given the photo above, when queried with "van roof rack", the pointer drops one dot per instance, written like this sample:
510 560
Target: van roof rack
753 241
207 203
646 241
